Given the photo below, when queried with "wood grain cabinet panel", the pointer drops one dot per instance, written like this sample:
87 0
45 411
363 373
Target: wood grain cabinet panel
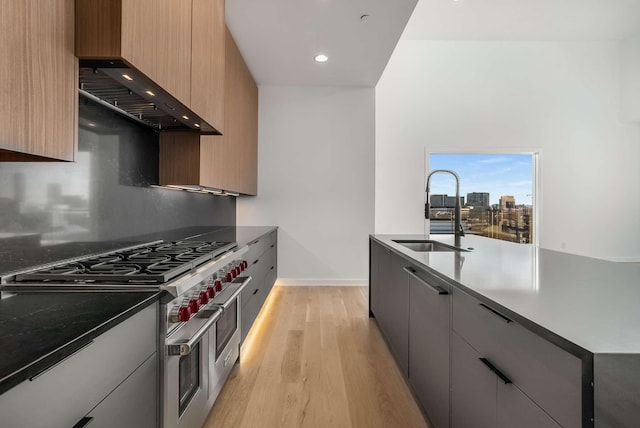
38 81
178 44
173 48
208 61
228 162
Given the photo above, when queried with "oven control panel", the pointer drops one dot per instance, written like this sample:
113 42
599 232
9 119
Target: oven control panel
184 307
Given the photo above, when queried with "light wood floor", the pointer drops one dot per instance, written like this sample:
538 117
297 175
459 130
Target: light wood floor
315 359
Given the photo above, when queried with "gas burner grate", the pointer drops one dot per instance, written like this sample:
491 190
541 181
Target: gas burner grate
149 258
113 269
66 269
156 264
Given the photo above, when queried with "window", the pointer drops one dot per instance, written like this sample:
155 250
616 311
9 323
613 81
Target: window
496 194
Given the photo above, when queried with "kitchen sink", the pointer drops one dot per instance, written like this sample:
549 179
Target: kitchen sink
427 245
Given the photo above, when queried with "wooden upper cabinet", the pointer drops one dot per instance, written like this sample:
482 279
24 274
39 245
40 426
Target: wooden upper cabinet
154 36
208 61
236 153
178 44
228 162
173 47
38 81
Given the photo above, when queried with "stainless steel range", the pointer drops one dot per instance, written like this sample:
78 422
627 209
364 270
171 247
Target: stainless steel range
199 318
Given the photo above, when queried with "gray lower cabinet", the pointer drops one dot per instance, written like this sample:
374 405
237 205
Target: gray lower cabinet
393 313
515 409
547 374
480 398
66 394
263 269
429 347
377 256
133 403
473 388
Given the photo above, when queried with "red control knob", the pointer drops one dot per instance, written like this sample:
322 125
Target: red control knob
184 313
211 292
204 298
245 263
217 285
237 270
229 276
194 305
241 266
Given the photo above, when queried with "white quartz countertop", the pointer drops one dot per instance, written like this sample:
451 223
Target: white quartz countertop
592 303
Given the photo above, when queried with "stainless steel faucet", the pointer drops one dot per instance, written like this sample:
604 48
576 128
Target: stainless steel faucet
457 226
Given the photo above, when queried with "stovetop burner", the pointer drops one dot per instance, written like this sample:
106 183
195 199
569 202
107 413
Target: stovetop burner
152 264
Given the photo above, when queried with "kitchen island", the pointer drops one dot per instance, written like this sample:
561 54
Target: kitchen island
542 321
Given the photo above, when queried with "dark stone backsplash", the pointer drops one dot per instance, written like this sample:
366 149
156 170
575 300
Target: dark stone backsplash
62 208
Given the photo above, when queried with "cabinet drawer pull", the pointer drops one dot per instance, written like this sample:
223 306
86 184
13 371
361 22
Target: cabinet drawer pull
83 422
441 291
255 291
256 261
271 268
254 242
273 245
496 313
493 368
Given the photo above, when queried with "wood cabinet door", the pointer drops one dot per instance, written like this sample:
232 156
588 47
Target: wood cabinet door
207 61
429 364
473 388
139 33
233 158
38 80
173 47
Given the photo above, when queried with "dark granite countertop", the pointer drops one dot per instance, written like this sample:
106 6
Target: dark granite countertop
37 330
587 302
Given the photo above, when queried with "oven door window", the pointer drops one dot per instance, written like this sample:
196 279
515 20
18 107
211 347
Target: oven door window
189 377
226 326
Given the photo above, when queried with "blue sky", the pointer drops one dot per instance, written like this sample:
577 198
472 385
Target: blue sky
503 174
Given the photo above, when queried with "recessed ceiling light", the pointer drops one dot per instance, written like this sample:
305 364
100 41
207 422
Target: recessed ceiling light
321 58
126 76
150 93
185 117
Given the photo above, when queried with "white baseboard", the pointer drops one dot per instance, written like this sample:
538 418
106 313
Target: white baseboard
286 282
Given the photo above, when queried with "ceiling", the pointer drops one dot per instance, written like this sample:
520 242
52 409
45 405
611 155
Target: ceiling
279 38
534 20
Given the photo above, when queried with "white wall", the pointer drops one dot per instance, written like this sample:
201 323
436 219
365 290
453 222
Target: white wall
315 181
630 79
560 98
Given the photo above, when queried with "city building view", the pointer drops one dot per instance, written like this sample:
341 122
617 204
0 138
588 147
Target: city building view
505 178
507 220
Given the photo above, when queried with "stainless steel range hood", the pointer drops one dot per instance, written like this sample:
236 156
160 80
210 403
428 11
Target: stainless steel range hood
125 90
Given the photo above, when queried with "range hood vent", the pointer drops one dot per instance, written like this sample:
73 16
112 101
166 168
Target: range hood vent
130 93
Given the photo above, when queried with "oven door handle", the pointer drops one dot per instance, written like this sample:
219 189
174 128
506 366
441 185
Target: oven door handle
184 347
234 296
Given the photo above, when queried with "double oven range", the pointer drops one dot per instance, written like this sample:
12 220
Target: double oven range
199 313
